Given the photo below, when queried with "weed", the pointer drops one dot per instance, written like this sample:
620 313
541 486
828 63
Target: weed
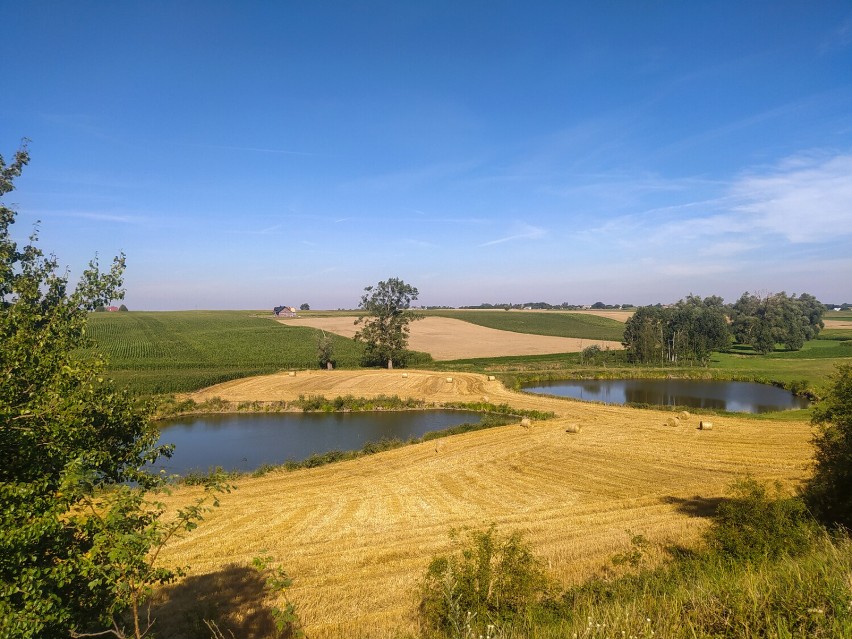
489 581
754 525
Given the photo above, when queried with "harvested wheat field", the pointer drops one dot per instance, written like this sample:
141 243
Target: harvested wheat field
445 338
617 315
845 324
357 536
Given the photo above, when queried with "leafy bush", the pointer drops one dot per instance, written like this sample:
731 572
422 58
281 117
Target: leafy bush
488 581
829 492
754 525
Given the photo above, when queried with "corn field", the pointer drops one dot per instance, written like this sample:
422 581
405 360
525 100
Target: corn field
166 352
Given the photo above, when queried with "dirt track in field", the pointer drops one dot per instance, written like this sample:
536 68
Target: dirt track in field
357 536
446 338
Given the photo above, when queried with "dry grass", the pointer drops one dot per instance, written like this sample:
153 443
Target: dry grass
357 536
838 323
445 338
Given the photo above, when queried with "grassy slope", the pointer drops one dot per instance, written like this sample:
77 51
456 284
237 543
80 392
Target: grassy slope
185 350
541 323
800 596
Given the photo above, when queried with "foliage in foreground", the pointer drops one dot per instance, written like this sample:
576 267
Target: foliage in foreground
789 580
755 524
492 580
79 534
829 491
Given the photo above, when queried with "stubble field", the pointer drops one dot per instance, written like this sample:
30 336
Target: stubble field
447 338
357 536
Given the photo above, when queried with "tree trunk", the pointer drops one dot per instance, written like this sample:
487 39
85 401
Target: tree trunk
390 363
329 366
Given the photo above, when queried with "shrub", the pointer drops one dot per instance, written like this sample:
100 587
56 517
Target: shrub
754 525
490 580
829 491
589 354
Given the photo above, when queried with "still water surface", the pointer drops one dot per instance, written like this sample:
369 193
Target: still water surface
245 442
741 397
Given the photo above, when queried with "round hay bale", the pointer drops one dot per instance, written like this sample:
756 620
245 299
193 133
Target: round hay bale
702 425
449 380
672 421
485 398
573 428
526 423
684 416
491 378
405 374
292 373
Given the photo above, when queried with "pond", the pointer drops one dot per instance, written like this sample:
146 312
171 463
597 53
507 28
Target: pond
741 397
245 442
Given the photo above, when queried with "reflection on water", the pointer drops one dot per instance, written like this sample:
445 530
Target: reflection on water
246 441
741 397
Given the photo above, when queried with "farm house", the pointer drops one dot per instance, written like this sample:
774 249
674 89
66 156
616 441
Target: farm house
284 311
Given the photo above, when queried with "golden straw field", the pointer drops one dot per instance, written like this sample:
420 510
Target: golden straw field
445 338
357 536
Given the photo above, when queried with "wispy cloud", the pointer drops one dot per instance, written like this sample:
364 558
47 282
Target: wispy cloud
407 179
526 232
805 198
781 111
98 216
254 149
838 39
269 230
420 243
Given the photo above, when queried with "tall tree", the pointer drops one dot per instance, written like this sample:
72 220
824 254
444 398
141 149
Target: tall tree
685 332
644 335
386 322
766 320
73 556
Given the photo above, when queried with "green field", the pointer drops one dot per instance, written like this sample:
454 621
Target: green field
582 326
167 352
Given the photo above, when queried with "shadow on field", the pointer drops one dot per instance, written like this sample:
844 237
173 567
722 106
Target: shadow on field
695 506
232 598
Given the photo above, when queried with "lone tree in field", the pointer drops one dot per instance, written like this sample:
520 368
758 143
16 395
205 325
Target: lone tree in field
385 325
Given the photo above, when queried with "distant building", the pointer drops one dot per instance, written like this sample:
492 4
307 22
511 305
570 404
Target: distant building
112 309
284 311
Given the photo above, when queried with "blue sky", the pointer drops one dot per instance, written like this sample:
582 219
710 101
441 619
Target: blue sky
248 154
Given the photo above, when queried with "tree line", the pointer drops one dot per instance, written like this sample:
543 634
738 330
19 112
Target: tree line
688 331
545 306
